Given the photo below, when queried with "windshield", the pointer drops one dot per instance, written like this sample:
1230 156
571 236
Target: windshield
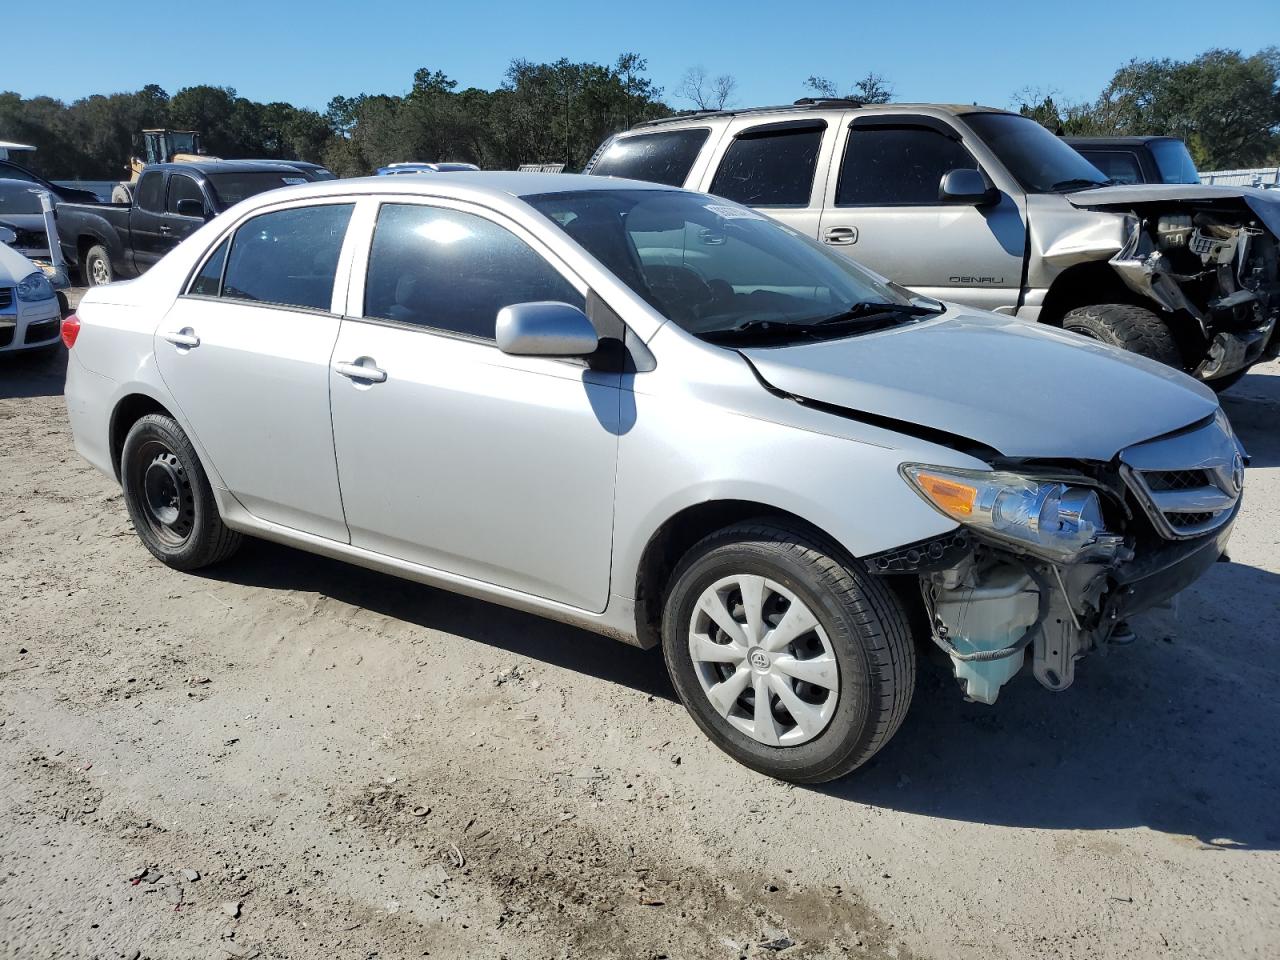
1174 161
231 188
1038 160
715 267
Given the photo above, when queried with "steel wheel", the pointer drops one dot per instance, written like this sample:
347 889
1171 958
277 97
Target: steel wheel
167 499
99 271
763 660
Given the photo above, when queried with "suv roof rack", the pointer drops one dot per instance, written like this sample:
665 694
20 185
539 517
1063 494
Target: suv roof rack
812 103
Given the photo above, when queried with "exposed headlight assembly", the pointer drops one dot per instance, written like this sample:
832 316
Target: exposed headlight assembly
1044 517
34 287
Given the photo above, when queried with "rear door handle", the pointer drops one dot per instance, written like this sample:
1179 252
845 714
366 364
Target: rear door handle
165 228
362 369
840 236
185 337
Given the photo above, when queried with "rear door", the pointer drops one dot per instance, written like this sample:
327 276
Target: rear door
779 168
245 351
884 212
452 454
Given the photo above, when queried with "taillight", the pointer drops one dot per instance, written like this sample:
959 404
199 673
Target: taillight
70 329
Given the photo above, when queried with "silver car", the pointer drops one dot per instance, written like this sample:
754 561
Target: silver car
663 417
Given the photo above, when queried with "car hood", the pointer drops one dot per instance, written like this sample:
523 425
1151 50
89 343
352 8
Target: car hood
1022 389
1265 206
14 266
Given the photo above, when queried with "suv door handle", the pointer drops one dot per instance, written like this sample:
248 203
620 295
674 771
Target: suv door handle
185 337
362 369
840 236
165 228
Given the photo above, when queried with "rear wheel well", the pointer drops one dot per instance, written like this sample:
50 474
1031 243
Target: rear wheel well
84 245
128 412
679 533
1085 285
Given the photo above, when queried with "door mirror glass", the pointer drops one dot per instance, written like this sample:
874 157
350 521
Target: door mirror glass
545 329
191 208
7 235
966 186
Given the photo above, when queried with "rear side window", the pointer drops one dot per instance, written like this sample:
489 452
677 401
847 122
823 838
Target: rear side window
897 166
151 191
288 257
1117 165
208 282
657 157
770 169
453 271
182 188
18 197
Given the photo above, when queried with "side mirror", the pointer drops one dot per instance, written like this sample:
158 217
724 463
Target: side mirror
191 208
7 235
545 329
966 186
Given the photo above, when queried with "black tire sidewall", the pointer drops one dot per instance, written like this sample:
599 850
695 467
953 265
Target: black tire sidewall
195 550
849 726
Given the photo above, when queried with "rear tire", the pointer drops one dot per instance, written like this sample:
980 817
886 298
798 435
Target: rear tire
1128 327
859 652
169 498
97 266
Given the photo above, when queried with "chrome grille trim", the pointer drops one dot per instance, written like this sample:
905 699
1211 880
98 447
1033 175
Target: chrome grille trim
6 298
1189 483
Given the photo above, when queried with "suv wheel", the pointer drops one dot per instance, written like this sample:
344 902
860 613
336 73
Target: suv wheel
795 663
1131 328
169 498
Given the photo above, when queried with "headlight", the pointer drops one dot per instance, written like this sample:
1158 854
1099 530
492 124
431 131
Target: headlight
1044 517
34 287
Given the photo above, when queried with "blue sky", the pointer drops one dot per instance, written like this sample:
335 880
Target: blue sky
306 51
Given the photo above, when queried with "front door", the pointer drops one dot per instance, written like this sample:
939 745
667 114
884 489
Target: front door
245 351
884 212
176 227
452 454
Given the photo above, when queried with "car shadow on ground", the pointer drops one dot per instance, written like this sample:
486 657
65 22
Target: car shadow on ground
32 375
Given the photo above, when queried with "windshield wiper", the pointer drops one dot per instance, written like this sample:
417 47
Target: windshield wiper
863 316
868 309
1076 182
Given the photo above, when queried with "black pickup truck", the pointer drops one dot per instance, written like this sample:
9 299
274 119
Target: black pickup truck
104 242
1138 159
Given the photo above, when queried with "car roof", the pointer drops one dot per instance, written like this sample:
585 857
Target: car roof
223 166
1114 141
811 105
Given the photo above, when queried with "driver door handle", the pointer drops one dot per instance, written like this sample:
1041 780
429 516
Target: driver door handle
356 370
179 339
840 236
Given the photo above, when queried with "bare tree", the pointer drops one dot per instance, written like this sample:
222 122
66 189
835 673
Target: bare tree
873 88
707 93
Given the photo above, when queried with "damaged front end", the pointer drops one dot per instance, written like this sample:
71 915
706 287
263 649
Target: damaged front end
1219 265
1051 561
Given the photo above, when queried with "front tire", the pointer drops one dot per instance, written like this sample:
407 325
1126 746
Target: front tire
97 266
169 498
793 661
1129 327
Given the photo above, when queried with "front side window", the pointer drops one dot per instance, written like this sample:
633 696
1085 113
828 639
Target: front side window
453 271
897 166
288 257
1117 165
715 267
663 158
151 191
182 188
770 168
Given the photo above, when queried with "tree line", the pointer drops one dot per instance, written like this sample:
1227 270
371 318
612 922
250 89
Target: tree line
1225 105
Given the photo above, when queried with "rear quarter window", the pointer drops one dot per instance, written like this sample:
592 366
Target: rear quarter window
664 158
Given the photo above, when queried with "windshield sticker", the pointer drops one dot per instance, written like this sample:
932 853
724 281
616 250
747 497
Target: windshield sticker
732 213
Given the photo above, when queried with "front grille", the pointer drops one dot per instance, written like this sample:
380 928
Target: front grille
6 298
42 331
1184 501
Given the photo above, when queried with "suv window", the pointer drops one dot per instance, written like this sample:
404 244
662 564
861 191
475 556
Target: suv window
772 168
1120 166
657 157
182 187
288 257
897 166
150 195
453 271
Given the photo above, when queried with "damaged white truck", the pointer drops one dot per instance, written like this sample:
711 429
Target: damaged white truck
988 209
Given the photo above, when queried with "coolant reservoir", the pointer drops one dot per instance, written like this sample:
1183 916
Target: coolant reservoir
990 616
1172 230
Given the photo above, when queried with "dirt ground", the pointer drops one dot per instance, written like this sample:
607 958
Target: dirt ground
289 757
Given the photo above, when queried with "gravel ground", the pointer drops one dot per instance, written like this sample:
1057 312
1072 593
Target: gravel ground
289 757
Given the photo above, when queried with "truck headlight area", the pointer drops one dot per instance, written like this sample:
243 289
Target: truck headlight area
1046 518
